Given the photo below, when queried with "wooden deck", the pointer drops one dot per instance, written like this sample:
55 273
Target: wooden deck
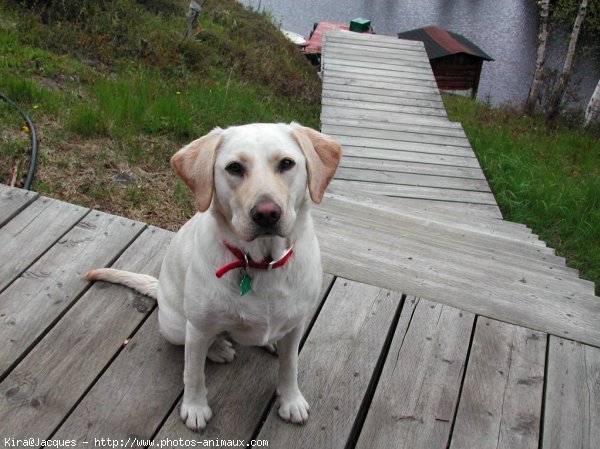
440 325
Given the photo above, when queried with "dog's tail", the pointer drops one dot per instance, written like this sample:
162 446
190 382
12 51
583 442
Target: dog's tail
142 283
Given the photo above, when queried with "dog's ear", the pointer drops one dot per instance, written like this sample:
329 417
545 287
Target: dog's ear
195 164
322 155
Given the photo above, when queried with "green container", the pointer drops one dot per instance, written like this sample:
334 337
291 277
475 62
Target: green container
360 25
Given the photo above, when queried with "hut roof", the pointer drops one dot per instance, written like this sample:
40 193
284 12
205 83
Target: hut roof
439 42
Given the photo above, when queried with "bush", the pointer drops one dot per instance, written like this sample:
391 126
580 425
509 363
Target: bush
59 10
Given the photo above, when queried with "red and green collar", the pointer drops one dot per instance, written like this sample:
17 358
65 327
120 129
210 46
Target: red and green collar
244 261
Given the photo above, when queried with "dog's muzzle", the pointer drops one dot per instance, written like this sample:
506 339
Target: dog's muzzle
266 214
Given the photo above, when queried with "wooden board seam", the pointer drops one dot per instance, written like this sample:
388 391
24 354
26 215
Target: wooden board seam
59 317
21 208
462 381
34 260
363 410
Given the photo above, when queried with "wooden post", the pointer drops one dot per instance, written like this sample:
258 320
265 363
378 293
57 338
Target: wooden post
475 87
192 16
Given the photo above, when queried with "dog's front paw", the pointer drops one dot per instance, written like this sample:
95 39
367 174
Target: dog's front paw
293 408
221 351
195 416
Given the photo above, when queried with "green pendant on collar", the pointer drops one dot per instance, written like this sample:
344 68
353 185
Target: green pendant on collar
246 284
244 262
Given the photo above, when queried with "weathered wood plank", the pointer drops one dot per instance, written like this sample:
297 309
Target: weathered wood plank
458 209
13 201
418 191
336 365
29 235
339 111
500 404
452 234
403 83
418 390
476 224
46 289
42 389
134 394
447 240
331 78
450 276
387 66
354 52
383 73
417 145
377 99
358 53
415 139
409 156
370 40
572 403
390 177
239 395
472 174
379 91
435 112
414 128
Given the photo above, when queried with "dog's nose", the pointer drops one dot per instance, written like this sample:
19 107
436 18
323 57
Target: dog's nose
266 213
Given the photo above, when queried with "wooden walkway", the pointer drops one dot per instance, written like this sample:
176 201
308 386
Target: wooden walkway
502 353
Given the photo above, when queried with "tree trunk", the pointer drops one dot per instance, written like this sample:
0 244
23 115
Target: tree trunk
192 16
536 84
592 112
559 91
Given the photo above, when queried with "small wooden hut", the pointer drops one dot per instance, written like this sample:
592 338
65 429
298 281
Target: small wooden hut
455 60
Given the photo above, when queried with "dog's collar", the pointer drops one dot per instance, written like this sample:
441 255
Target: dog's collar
245 262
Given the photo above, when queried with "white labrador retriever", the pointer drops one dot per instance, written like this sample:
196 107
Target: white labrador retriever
249 263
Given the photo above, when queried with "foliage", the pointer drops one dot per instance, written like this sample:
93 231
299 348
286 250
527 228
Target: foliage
563 13
547 178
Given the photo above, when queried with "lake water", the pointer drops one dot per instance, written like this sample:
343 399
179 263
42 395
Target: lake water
505 29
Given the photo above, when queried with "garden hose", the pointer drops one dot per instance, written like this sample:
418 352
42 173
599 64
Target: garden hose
34 145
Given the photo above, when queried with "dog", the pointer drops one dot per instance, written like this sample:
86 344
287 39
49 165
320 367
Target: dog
247 264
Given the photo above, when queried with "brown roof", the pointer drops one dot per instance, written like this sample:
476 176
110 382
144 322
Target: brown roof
439 42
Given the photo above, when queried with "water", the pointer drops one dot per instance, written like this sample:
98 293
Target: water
505 29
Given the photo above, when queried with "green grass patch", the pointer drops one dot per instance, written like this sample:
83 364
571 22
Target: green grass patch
145 102
545 177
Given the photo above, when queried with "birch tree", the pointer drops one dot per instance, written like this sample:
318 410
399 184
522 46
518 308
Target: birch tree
561 85
538 75
592 112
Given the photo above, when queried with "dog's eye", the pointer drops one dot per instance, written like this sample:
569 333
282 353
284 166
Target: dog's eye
286 164
235 168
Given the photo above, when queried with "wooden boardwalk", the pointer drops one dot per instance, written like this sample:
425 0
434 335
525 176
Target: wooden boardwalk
502 353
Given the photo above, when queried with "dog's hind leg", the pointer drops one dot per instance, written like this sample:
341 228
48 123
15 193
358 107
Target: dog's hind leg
271 348
221 350
171 324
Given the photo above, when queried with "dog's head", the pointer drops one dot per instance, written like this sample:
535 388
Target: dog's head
256 176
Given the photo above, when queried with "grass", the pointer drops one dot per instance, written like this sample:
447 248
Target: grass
545 177
114 90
